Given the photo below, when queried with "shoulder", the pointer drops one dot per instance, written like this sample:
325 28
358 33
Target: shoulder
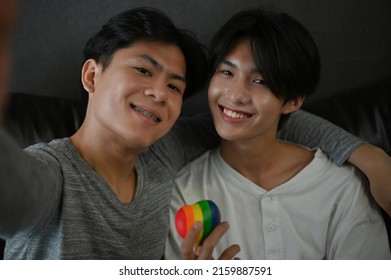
321 171
190 180
346 180
323 160
292 159
197 166
53 152
56 144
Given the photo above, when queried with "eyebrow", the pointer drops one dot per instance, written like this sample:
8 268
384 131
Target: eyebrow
233 65
160 67
229 63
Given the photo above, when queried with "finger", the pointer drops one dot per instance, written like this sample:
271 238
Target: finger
230 252
190 241
210 242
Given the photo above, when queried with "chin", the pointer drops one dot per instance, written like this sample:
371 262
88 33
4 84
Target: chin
224 135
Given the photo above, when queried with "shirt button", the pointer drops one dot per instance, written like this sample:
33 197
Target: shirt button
270 227
268 200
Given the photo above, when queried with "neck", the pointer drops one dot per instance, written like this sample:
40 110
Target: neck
267 163
110 158
250 158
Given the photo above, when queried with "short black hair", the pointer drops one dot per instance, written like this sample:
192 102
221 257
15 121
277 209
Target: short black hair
284 51
145 23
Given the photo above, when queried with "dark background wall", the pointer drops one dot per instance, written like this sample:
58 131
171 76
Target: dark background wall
353 37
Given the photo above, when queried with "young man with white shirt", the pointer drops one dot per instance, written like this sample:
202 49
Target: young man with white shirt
282 200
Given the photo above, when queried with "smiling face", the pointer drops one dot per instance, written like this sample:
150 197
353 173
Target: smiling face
242 106
138 97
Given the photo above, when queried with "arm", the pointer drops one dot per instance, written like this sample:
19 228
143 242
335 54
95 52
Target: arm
27 188
189 138
8 14
376 165
341 146
312 131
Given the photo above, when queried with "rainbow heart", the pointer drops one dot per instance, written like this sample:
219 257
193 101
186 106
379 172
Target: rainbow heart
204 211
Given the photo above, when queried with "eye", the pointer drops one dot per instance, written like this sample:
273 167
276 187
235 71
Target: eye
143 71
259 81
226 72
174 88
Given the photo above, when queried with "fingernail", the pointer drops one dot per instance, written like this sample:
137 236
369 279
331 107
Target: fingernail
197 225
225 224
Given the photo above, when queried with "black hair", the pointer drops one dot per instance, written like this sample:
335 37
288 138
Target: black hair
126 28
284 51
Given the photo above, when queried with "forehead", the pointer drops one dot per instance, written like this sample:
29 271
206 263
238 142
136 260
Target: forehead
169 56
240 54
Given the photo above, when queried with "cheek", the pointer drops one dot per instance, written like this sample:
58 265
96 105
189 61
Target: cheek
270 111
175 107
268 101
178 108
213 91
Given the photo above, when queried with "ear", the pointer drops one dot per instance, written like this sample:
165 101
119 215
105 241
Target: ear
293 105
88 74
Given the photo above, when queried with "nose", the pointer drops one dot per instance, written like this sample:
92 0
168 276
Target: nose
158 92
238 93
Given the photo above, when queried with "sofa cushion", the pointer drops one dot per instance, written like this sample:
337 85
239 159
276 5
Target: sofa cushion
36 118
365 112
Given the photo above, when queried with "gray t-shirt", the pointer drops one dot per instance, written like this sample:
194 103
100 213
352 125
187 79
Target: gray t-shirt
54 206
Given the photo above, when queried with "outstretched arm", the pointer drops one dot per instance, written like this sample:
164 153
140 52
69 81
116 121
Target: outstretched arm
7 18
376 165
315 132
28 189
312 131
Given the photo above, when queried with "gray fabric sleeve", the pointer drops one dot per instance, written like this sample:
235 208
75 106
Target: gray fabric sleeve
27 188
190 137
312 131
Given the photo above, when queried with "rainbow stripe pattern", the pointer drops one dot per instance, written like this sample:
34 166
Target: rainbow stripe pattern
204 211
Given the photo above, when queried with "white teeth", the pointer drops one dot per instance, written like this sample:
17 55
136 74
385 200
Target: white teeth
234 115
145 113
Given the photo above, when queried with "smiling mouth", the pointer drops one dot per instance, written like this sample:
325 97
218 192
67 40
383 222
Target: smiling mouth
234 114
145 113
